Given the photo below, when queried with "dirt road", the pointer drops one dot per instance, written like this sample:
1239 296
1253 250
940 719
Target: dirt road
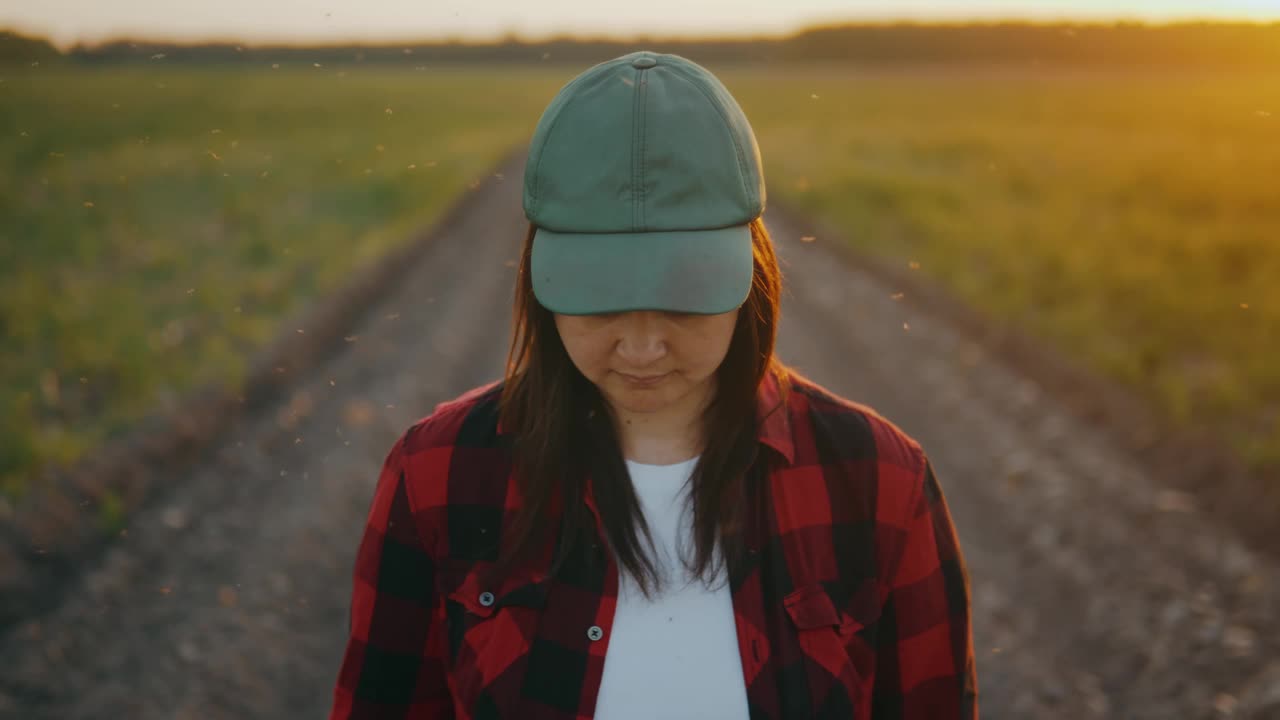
1097 593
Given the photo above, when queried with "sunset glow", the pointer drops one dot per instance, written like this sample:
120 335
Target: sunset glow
70 21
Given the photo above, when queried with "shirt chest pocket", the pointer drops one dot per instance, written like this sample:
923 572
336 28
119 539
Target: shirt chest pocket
835 666
490 628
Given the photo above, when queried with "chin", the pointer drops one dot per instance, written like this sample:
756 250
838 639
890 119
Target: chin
638 400
642 404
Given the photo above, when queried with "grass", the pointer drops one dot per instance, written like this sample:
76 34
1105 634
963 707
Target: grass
157 224
1129 219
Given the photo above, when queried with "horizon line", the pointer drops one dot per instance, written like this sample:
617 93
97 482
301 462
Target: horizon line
531 38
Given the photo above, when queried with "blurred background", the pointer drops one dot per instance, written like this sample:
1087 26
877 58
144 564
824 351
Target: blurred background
178 177
180 180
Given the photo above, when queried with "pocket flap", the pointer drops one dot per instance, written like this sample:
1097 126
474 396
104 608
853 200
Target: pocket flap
467 588
810 607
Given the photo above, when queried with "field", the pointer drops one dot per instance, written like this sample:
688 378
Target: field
161 223
1131 220
156 224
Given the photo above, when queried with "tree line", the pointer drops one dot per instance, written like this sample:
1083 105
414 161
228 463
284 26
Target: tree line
1197 44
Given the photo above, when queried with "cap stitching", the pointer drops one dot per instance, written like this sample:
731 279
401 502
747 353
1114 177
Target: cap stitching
640 189
547 139
732 138
635 149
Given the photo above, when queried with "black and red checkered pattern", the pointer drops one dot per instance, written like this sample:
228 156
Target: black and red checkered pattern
855 603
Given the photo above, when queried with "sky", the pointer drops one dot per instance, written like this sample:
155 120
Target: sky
66 22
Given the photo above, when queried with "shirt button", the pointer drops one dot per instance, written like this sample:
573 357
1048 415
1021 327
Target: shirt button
486 599
594 633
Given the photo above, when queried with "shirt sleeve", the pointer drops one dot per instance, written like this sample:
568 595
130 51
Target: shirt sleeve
925 664
394 663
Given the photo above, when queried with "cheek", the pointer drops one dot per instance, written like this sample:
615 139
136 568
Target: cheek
713 347
590 357
722 350
724 335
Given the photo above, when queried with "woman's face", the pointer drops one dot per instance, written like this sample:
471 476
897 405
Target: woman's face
649 361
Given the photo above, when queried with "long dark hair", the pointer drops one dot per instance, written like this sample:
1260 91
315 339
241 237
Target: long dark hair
563 431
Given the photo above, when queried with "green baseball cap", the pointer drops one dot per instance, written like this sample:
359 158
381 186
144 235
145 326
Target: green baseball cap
642 178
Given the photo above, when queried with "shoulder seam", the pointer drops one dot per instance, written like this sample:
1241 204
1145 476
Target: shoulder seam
917 494
877 424
450 409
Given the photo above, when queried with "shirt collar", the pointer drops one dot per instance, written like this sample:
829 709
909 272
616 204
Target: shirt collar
773 417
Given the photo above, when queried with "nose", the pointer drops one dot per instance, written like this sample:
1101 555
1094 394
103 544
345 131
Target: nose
641 339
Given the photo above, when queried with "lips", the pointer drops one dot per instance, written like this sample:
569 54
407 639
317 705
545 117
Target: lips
643 380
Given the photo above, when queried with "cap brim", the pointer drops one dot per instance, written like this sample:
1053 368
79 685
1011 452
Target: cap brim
689 271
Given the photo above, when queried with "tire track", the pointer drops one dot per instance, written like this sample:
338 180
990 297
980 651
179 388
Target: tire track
1097 593
229 598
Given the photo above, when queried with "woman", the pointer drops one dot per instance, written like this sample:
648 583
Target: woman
650 516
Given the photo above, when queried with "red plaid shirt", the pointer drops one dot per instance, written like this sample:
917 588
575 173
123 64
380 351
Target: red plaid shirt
855 603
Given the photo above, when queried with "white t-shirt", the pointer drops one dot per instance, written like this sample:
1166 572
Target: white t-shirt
676 656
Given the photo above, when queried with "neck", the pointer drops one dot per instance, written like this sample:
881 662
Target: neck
660 446
666 437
